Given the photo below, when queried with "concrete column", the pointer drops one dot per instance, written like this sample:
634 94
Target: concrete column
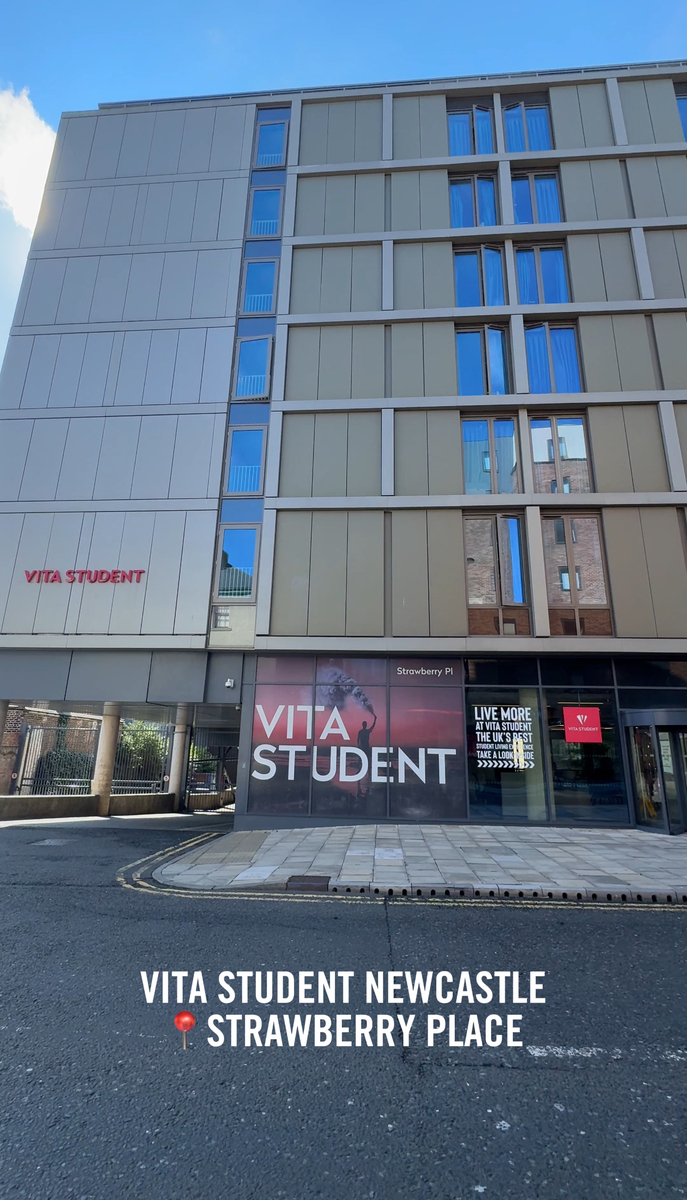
535 548
104 762
176 766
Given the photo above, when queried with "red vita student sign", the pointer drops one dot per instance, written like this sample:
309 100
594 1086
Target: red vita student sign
582 725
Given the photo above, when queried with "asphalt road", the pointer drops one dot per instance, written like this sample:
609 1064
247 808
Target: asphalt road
98 1099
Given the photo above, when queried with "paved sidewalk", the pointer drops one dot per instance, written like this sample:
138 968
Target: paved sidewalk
422 858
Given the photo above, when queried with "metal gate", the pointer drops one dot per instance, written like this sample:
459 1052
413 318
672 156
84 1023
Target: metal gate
55 759
212 764
142 758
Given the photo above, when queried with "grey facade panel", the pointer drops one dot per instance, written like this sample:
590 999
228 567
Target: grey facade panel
177 676
98 675
34 674
220 669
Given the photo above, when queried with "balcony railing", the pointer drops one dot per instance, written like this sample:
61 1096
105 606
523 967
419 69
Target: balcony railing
244 479
250 385
258 303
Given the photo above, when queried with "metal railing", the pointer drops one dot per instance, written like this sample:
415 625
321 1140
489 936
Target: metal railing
250 385
261 228
258 302
244 479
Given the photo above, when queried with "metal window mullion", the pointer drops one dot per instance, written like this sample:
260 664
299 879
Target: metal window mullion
557 452
570 552
540 277
492 455
482 285
486 374
533 198
497 562
548 351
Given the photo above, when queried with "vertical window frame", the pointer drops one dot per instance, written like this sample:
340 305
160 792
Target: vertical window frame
523 605
486 365
267 187
233 430
557 460
523 105
227 601
575 606
473 181
531 177
472 108
264 395
548 325
536 249
479 251
490 419
247 260
260 124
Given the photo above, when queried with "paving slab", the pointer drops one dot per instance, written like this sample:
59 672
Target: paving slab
389 856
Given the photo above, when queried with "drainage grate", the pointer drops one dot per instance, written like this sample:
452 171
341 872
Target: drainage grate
308 883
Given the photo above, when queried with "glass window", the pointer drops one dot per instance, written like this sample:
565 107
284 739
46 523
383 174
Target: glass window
527 127
470 132
265 211
495 575
575 580
559 451
490 443
552 360
259 287
585 778
245 460
237 565
682 109
504 751
251 370
241 512
479 277
542 275
249 414
536 199
482 362
473 202
271 144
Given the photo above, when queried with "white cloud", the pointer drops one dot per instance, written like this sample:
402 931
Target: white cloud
26 144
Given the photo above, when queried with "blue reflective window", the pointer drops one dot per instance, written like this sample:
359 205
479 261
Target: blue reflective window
462 211
538 135
476 461
251 373
470 363
245 462
548 200
515 131
527 277
237 565
264 216
537 359
259 290
682 109
522 201
484 137
493 277
554 282
506 456
498 377
271 142
240 512
459 133
468 291
566 368
274 114
486 202
512 584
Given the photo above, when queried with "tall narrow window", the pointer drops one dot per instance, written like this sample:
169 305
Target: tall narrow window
258 293
482 362
536 199
526 127
479 277
490 458
271 142
495 575
265 212
559 451
473 202
470 131
245 460
576 586
681 97
237 564
542 276
251 368
552 359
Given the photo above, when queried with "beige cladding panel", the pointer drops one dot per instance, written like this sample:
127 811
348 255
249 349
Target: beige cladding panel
330 454
665 556
310 198
610 192
306 279
340 204
336 348
633 348
367 373
409 574
296 460
365 575
645 445
423 275
408 277
444 452
440 366
338 362
407 368
580 116
447 596
671 341
665 262
342 131
419 200
599 354
337 266
291 574
565 117
302 364
645 185
411 454
578 191
328 555
650 111
681 421
586 270
420 127
672 172
628 573
364 463
610 453
618 266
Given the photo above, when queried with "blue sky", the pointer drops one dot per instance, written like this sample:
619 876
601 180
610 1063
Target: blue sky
76 54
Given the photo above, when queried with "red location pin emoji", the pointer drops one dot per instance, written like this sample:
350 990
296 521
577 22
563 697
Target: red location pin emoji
184 1021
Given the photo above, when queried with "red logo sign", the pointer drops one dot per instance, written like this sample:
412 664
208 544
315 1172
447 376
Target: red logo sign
582 725
48 576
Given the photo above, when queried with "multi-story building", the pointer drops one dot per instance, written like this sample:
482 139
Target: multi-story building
355 419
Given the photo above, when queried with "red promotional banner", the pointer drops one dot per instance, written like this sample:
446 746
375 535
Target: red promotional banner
582 725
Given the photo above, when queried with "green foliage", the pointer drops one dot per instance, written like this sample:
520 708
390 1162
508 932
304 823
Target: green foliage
141 751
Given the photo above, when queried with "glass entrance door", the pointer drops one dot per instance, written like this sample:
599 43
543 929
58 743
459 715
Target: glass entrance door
659 768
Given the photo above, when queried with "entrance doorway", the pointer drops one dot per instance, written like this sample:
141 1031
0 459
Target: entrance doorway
658 754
